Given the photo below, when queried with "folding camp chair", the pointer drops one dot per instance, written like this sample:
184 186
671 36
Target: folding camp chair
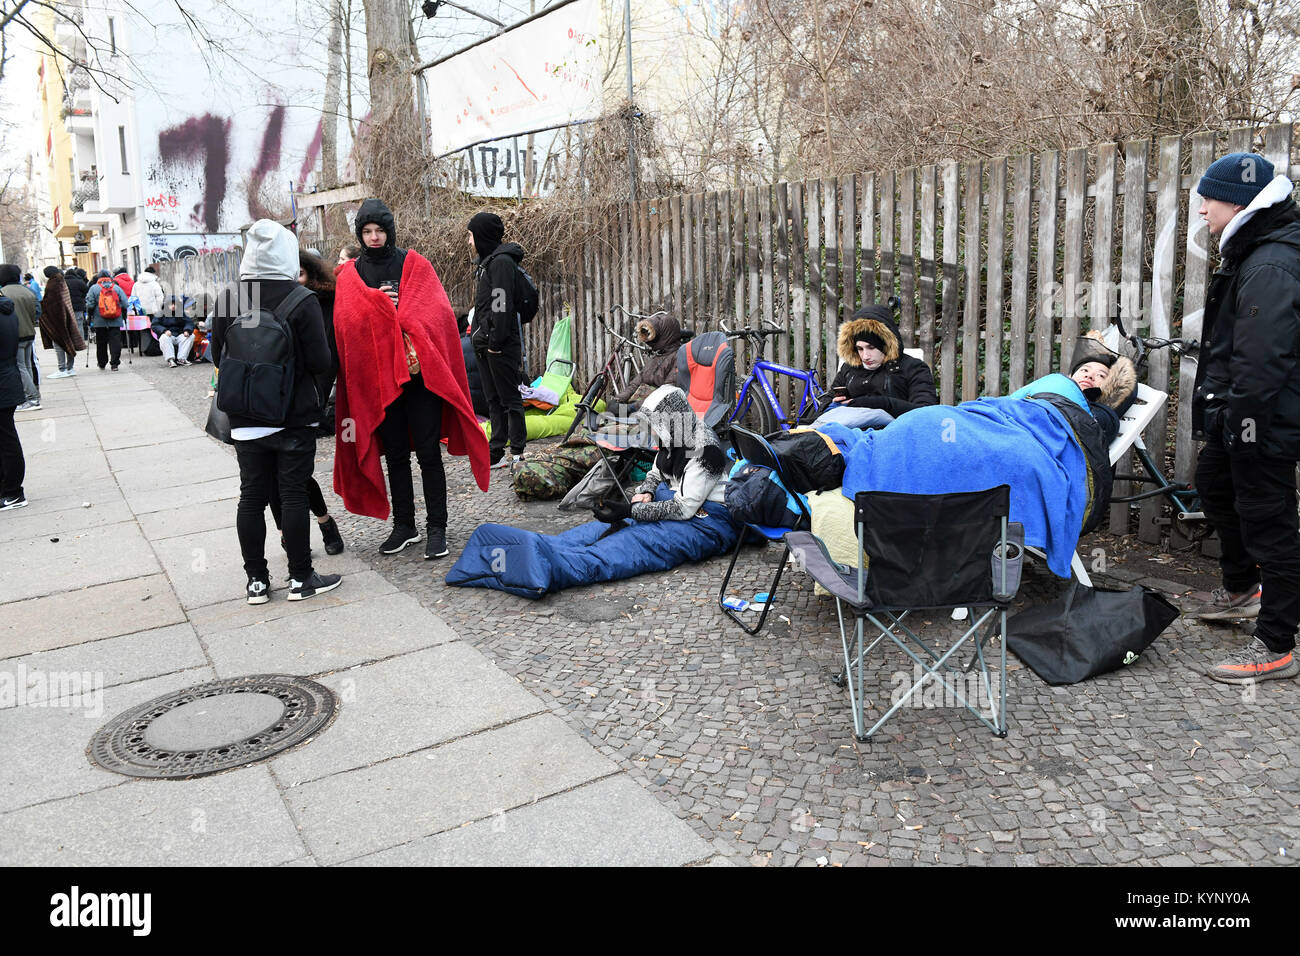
924 552
756 449
1147 404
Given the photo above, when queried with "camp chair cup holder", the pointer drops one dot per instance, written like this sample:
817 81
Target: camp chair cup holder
1007 563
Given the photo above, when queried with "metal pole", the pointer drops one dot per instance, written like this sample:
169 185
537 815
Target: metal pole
631 133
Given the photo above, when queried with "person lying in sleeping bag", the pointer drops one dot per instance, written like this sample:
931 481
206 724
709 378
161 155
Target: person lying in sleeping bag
676 515
1048 441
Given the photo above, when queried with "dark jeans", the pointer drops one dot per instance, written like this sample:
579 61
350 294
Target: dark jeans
315 500
500 377
108 342
1252 505
13 467
284 459
414 420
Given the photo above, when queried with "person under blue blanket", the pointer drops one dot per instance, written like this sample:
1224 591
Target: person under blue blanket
676 515
1048 442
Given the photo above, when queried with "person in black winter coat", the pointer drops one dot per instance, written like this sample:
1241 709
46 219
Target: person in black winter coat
876 371
78 286
1247 408
476 396
13 466
275 456
498 337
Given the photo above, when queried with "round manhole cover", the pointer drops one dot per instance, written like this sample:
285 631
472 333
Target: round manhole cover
213 727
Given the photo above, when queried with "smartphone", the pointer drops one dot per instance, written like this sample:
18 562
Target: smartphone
392 284
841 391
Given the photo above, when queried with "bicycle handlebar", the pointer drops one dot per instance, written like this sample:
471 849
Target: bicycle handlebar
1143 345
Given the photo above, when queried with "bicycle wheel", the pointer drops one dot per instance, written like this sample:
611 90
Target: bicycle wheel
756 414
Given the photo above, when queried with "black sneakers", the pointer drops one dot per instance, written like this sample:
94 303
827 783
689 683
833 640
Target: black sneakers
436 545
259 590
329 531
402 536
18 501
316 584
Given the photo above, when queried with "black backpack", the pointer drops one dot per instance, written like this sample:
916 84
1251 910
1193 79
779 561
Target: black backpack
527 299
257 362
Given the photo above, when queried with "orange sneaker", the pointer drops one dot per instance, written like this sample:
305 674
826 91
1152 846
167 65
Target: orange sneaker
1255 662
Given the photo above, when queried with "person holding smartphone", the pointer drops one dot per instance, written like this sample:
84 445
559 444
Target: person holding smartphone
878 380
401 386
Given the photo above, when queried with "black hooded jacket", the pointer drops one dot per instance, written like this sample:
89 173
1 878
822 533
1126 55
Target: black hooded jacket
1248 375
383 265
900 384
11 382
497 328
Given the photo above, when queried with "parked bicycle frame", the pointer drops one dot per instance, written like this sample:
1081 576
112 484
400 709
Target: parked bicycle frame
757 407
1187 518
622 365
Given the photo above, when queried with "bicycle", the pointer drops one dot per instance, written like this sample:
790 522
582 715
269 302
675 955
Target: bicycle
622 365
757 407
1186 516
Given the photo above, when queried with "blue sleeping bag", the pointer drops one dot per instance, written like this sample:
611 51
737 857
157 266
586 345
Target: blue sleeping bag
532 565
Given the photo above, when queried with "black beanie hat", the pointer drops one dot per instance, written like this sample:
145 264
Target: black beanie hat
872 339
1083 356
488 231
51 271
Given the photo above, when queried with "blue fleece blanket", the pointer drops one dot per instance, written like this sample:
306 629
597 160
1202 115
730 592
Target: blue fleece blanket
532 565
939 449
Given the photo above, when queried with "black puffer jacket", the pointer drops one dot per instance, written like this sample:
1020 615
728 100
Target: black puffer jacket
900 384
1249 368
78 286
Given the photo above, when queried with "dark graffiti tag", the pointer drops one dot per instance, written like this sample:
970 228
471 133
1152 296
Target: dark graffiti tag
206 137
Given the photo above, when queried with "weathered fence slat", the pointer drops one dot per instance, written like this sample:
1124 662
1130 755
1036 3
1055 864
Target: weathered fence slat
888 248
970 342
831 296
993 362
907 253
1049 166
1196 275
1101 303
848 247
1022 171
867 239
798 276
951 279
1130 277
816 277
925 319
1076 198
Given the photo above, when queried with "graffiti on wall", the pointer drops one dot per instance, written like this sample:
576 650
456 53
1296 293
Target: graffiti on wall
189 186
173 246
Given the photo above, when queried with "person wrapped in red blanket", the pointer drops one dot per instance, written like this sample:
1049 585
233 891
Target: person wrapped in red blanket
401 385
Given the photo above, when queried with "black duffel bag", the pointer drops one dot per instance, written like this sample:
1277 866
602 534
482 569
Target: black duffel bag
1088 631
810 461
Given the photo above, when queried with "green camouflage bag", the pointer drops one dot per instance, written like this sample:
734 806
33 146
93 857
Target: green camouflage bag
551 475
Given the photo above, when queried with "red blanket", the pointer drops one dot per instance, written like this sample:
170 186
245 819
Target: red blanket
372 370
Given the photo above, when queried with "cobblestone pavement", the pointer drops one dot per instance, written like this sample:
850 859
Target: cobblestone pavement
747 739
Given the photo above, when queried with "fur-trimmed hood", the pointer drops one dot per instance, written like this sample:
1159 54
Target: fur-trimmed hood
1122 381
873 319
661 332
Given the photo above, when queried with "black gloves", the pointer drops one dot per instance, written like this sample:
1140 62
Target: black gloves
612 511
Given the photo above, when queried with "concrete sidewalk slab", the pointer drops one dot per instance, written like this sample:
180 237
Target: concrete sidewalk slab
43 748
207 567
172 476
588 826
122 660
408 703
122 430
58 434
100 491
56 471
147 500
113 552
232 819
190 448
89 614
237 613
331 639
36 521
359 812
189 519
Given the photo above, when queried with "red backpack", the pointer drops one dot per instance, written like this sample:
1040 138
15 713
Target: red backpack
109 306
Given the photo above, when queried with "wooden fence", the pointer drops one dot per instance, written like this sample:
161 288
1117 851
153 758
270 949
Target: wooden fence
1001 265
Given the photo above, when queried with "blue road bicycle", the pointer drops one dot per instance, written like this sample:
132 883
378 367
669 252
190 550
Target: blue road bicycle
757 407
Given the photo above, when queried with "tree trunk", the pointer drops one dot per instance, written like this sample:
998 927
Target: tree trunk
336 223
390 60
